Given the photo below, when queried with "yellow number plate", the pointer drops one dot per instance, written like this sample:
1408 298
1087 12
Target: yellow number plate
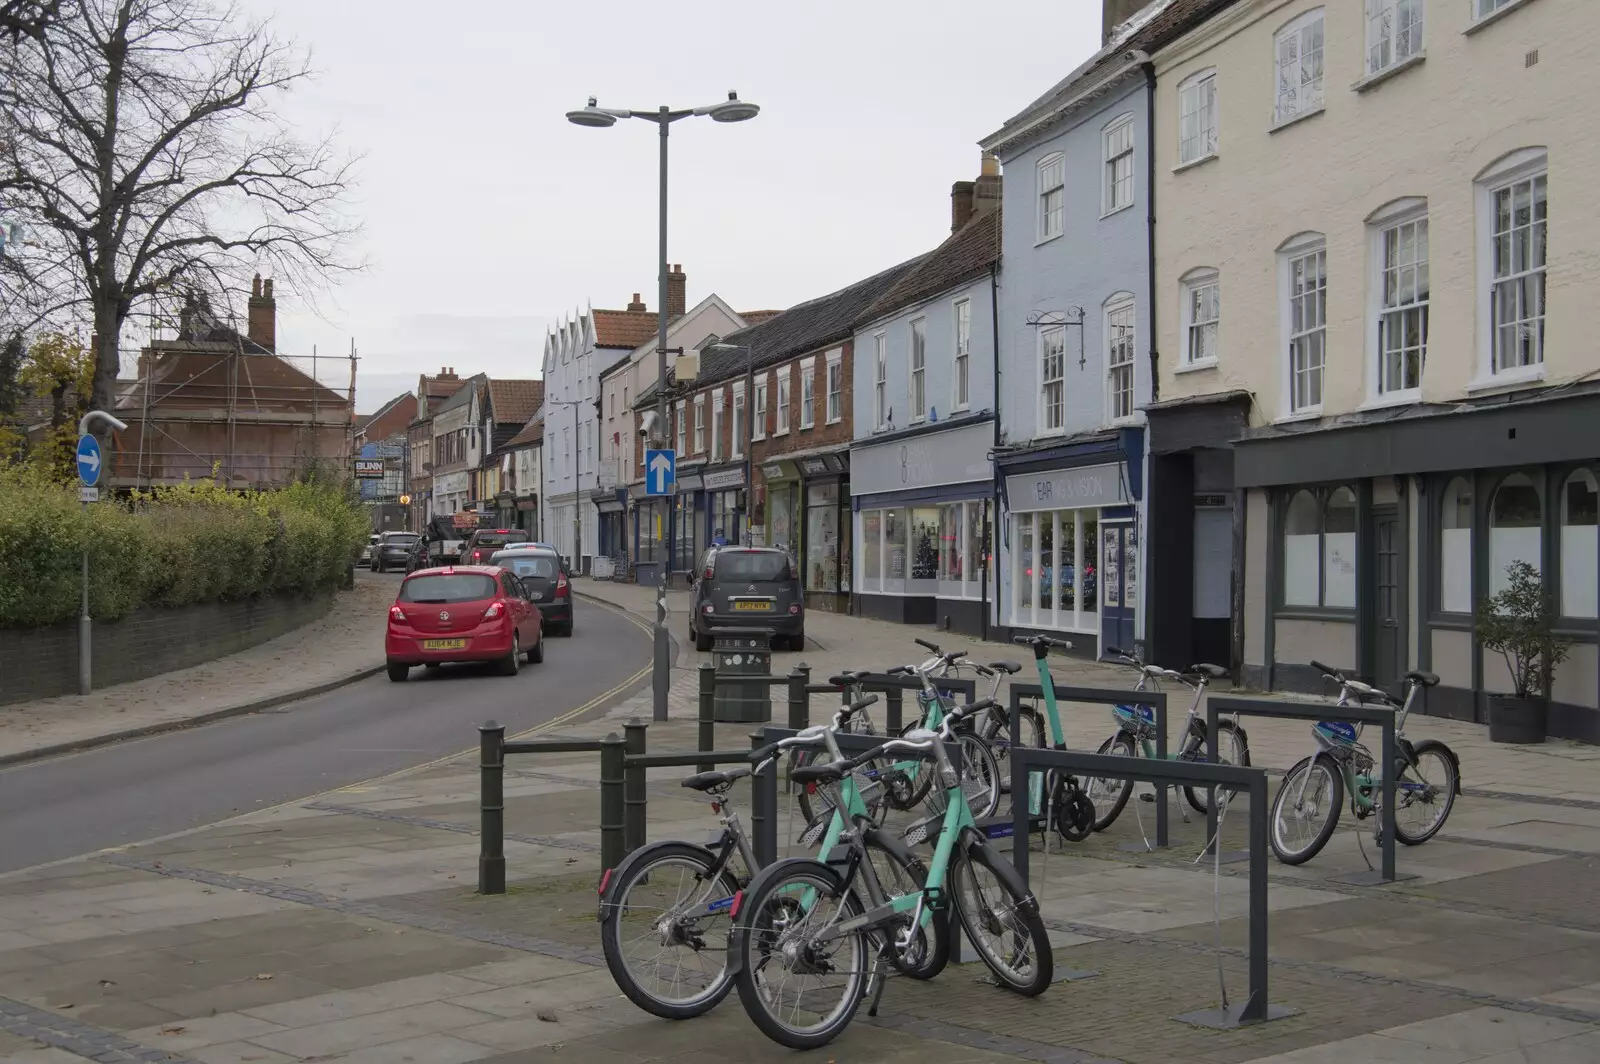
752 605
444 644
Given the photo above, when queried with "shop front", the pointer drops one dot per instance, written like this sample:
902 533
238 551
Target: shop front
652 521
825 535
922 503
610 506
725 491
687 533
1070 556
781 508
527 516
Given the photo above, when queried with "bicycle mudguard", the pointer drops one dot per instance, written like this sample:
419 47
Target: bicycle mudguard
739 932
613 876
973 840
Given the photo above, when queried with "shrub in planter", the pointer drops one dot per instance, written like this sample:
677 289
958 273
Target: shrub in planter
1518 623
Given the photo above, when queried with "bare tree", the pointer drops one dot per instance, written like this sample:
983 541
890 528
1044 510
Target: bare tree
19 17
145 143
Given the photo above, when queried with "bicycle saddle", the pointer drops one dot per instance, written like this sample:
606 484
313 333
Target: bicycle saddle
1426 679
1215 672
706 781
828 773
1008 667
846 679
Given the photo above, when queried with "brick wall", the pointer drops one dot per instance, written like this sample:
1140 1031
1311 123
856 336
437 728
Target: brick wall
821 434
43 662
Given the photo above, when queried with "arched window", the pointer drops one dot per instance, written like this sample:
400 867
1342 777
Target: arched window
1302 536
1514 528
1339 550
1319 549
1580 550
1455 547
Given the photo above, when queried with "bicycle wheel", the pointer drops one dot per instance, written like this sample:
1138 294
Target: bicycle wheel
665 931
801 993
871 781
1232 749
901 874
1110 796
1428 790
1002 921
1306 809
980 778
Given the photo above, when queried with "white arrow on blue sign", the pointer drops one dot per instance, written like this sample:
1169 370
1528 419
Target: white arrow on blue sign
88 460
660 472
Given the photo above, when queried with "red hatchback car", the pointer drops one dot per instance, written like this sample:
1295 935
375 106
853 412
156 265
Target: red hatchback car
462 613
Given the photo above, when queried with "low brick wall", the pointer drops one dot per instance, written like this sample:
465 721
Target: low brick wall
43 662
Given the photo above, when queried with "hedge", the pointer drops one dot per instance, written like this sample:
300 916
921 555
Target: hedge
173 547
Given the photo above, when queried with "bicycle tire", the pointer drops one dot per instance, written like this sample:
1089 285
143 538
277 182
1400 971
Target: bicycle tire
1197 797
635 870
1291 787
980 778
1123 746
1433 746
1024 911
936 936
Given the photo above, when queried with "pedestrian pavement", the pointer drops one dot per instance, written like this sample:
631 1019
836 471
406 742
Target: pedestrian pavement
346 927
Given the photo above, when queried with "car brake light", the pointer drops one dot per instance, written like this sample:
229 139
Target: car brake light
706 608
795 608
708 572
397 614
492 612
561 582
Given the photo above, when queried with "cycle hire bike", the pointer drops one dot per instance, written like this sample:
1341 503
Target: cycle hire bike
676 896
802 919
1068 807
1305 811
1136 737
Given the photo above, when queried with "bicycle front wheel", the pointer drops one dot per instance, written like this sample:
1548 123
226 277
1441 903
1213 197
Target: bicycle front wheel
1108 794
1232 749
900 874
1425 794
1002 921
1306 809
665 932
980 778
799 991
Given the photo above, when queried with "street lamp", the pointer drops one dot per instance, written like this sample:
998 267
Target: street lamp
577 480
749 429
594 116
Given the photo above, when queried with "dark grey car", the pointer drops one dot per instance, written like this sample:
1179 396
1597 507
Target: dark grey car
545 576
743 588
396 550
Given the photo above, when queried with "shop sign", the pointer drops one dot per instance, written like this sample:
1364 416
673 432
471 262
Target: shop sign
369 468
723 479
774 471
813 467
954 456
1067 489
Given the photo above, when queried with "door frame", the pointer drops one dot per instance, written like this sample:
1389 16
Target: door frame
1128 612
1368 617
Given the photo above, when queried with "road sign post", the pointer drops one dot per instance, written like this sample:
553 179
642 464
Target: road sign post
661 478
90 464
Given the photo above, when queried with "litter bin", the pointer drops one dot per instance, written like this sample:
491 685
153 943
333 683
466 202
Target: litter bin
744 653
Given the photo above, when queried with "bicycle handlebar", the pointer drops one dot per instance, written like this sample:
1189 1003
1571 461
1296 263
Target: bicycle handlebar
928 646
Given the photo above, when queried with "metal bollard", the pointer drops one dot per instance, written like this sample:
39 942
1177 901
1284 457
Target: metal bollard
491 808
896 701
799 701
633 786
707 726
761 818
612 774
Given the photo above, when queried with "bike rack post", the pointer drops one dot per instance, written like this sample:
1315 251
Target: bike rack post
706 724
613 845
1283 709
1256 1008
764 806
633 786
895 711
799 701
1111 696
491 808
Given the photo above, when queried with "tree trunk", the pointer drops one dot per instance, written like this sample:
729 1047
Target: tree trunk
107 359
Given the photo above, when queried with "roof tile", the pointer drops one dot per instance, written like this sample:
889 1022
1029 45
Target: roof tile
624 328
514 402
968 253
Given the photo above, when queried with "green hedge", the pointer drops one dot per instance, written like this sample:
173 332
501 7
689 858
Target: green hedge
175 547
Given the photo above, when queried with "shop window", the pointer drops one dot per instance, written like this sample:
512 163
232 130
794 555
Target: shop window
1319 550
822 537
1054 575
1455 547
1580 550
894 545
1515 528
924 544
872 550
972 548
951 559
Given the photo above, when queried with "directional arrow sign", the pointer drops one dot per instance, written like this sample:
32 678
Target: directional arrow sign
88 460
660 472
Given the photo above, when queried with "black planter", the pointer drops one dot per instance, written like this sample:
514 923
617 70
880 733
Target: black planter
1517 720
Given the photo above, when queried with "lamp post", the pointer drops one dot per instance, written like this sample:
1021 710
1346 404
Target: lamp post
749 430
732 109
577 475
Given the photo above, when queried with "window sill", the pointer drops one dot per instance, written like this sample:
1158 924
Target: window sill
1209 156
833 420
1511 378
1314 613
1043 240
1392 399
1378 77
1495 16
1299 415
808 428
1115 210
780 432
1295 119
1196 367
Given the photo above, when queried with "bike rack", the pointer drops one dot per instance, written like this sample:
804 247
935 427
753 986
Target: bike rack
1282 709
798 682
893 688
1256 1008
1108 696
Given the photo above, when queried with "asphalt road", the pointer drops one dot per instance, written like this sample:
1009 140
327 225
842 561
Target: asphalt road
148 787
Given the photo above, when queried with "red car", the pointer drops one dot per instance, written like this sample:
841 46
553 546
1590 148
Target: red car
462 613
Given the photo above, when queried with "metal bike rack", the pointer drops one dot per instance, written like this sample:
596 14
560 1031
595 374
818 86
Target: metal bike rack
1256 1008
893 689
1218 705
798 683
1107 696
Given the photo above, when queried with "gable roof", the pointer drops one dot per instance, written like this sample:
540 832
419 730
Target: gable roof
390 418
202 376
966 254
756 317
463 394
624 328
532 432
514 402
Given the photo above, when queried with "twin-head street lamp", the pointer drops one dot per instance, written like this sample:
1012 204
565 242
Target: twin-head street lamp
594 116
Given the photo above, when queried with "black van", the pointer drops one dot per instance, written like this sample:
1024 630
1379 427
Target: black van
747 587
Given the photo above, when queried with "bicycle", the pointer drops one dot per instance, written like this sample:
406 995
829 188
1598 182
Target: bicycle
802 917
1342 764
1136 734
685 911
1071 810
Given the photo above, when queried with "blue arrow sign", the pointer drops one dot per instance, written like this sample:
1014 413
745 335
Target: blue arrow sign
660 472
88 460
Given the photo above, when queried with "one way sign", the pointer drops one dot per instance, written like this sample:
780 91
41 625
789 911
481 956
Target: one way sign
660 472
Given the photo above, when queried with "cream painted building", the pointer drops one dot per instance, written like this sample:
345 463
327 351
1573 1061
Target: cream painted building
1378 232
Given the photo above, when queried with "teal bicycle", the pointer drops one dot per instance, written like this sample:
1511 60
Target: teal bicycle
812 939
1056 795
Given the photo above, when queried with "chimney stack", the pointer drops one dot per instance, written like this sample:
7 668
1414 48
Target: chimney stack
263 315
637 304
986 190
960 205
1114 13
677 293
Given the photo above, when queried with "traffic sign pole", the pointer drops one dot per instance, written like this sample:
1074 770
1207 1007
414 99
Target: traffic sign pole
90 463
661 478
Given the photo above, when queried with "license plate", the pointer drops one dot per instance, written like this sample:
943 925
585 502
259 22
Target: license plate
444 644
752 605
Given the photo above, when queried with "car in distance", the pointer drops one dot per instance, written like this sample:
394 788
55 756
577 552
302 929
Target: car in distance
747 587
485 541
395 550
462 613
545 576
366 552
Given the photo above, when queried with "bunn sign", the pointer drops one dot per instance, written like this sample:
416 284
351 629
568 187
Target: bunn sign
1067 489
369 469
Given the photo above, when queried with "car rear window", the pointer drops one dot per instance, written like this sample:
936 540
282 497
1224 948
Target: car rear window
499 539
448 587
525 565
404 539
751 565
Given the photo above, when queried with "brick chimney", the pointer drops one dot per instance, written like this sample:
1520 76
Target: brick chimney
1114 13
677 292
263 329
637 304
960 204
447 373
986 190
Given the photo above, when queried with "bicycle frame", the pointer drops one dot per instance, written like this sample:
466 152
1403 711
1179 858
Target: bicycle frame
1363 787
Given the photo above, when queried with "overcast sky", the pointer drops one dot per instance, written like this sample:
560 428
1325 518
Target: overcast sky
488 216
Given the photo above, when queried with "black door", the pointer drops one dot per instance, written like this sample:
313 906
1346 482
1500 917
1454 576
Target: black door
1389 625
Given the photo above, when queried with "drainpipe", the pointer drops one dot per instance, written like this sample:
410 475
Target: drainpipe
1149 69
994 523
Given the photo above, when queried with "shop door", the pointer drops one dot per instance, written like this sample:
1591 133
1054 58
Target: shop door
1118 580
1389 616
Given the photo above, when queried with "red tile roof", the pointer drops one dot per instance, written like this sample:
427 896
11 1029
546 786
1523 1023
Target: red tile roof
532 432
514 402
624 328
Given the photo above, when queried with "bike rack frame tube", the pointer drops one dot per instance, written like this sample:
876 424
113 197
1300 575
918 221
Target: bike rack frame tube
491 808
613 845
633 785
706 725
799 701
